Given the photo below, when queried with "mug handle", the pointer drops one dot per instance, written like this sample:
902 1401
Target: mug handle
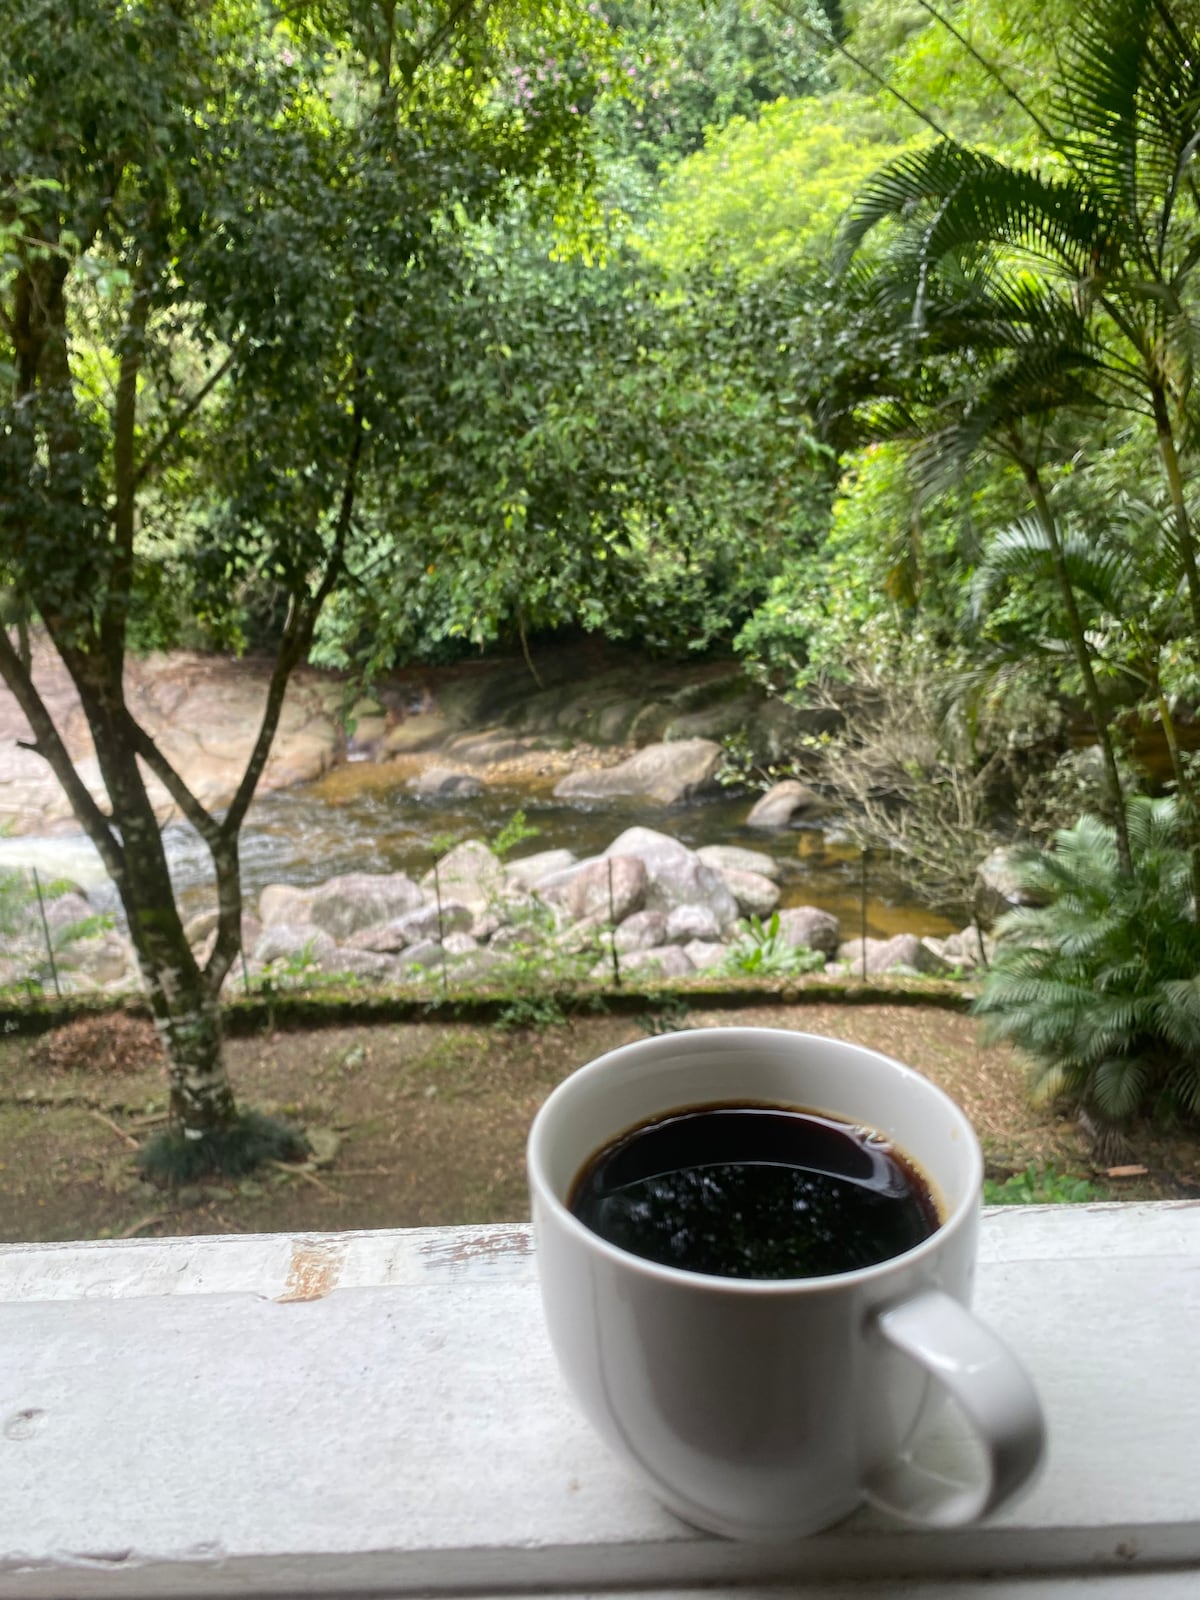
991 1388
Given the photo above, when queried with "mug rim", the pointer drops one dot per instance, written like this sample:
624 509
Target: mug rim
712 1282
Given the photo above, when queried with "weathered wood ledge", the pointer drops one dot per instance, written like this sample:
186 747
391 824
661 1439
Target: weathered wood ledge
379 1413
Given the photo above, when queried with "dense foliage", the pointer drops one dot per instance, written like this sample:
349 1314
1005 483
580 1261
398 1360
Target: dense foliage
1100 983
856 339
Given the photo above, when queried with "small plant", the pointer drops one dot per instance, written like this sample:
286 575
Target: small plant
536 1012
514 832
672 1016
296 970
1041 1186
759 951
251 1140
1100 984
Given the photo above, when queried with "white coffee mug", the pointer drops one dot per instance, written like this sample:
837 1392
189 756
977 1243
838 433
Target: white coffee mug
766 1409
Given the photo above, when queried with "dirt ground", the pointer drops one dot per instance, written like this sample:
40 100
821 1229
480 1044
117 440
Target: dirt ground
418 1125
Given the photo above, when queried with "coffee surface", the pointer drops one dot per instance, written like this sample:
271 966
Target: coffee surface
751 1191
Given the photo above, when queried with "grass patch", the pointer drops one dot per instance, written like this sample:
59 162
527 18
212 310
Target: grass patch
250 1141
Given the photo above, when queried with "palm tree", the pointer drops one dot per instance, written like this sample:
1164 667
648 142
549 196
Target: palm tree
1088 257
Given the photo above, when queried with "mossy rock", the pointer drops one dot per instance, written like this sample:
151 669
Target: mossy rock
651 722
716 721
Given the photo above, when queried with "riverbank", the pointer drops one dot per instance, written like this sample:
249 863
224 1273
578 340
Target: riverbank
424 1124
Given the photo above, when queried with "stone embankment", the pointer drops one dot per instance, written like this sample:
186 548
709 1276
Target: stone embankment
648 901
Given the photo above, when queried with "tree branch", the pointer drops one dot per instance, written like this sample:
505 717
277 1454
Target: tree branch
827 38
116 601
145 747
998 79
48 744
297 636
151 457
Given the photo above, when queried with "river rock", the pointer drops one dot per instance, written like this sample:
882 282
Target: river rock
903 950
997 880
65 909
444 783
665 773
612 889
281 941
106 960
666 960
735 858
530 870
357 900
780 804
962 949
514 936
642 931
686 923
755 894
284 902
470 873
810 927
425 953
361 964
704 954
427 923
675 875
459 944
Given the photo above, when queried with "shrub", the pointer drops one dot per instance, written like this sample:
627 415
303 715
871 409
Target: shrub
250 1140
760 951
1100 984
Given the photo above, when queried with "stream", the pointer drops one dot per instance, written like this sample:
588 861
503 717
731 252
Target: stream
362 818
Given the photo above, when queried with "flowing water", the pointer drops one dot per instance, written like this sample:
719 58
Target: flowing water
362 818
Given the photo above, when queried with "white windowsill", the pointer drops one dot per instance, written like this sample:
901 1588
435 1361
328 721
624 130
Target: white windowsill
379 1413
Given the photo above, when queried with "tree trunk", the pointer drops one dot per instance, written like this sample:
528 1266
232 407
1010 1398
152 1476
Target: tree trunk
1183 522
183 998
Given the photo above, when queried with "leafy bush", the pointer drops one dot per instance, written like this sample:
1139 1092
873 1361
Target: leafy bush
760 952
1100 984
1041 1186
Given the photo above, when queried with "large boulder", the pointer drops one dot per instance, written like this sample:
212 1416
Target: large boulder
756 895
809 927
470 873
736 858
781 803
357 900
664 773
675 875
612 889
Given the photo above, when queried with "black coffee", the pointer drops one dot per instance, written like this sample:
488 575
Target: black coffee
752 1191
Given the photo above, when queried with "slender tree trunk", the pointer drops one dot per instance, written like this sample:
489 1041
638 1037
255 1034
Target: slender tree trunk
1083 659
1183 523
183 1000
